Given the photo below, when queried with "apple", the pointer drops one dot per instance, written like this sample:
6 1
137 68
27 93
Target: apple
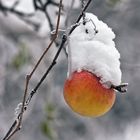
87 96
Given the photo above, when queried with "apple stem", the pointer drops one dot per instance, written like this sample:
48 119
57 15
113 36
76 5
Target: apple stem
121 88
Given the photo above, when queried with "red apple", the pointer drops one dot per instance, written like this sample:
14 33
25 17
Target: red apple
86 95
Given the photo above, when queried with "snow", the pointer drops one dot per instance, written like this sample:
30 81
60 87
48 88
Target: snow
94 52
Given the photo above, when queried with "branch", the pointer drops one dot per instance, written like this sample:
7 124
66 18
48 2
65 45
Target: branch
16 126
17 123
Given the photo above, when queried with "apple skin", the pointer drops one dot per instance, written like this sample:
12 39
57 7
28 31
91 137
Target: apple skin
85 95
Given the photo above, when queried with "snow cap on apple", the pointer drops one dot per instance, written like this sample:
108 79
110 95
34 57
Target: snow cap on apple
91 48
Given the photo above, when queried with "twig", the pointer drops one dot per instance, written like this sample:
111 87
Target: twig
38 4
17 123
81 15
51 2
64 38
83 3
12 9
21 15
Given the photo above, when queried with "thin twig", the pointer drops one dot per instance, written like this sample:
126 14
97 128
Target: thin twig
81 15
83 3
17 123
12 9
64 38
21 15
38 4
49 20
53 39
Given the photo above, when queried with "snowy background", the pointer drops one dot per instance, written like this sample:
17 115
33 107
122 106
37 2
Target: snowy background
49 117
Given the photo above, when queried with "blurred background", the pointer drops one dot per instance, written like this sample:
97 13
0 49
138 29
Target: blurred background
22 41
